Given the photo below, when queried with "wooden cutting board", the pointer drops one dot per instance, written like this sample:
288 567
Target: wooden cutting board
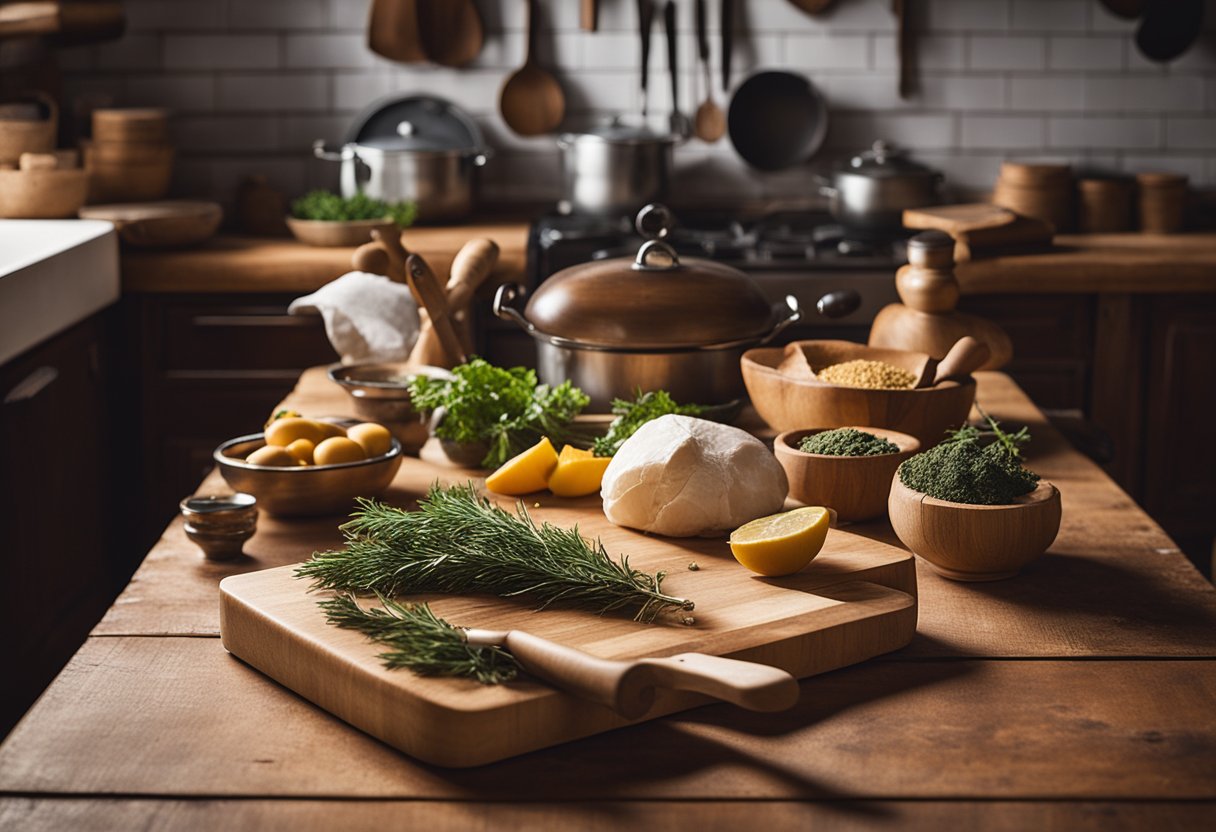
856 600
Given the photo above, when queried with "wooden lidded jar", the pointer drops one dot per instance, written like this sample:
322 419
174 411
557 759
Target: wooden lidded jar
927 320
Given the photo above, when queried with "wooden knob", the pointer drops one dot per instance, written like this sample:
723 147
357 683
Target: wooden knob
931 250
927 290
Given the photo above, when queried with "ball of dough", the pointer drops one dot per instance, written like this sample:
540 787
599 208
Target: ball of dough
686 477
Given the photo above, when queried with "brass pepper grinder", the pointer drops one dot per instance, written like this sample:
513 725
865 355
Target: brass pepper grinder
927 320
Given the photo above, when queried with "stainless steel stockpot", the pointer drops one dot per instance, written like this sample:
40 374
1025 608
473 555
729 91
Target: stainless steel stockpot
872 191
615 169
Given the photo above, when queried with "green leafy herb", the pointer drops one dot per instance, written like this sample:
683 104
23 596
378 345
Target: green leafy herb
632 415
962 469
328 206
505 408
459 542
847 442
420 640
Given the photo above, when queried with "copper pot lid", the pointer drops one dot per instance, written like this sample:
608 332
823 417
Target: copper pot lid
653 300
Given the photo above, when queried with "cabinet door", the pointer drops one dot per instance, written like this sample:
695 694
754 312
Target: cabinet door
57 483
1179 457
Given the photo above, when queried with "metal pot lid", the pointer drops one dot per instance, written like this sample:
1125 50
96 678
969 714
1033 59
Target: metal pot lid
416 123
885 160
653 300
616 131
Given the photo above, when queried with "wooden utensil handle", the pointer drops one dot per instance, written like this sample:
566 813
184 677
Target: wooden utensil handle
470 268
589 15
430 295
964 358
669 29
629 687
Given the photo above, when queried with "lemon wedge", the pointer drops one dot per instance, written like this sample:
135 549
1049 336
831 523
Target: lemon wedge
781 544
526 472
578 472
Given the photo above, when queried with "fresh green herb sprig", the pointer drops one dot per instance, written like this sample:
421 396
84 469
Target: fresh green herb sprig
420 640
330 207
506 408
632 415
459 542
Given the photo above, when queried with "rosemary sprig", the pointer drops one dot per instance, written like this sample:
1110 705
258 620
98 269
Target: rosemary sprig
460 542
1010 443
421 640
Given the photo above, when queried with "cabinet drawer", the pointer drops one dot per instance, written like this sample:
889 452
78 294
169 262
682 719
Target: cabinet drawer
248 336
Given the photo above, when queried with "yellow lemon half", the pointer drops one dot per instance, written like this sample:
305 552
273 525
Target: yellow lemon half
781 544
578 473
526 472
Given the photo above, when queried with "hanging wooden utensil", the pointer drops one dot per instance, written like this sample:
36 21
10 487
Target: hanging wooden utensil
1169 28
450 31
710 122
392 31
678 123
812 7
1126 9
903 47
645 21
589 15
728 25
532 101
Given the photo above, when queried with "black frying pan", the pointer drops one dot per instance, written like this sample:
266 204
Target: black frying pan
777 120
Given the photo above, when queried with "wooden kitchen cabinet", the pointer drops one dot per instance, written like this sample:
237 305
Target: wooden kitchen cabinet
211 367
63 477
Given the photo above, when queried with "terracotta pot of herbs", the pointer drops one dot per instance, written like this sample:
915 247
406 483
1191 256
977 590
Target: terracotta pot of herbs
322 218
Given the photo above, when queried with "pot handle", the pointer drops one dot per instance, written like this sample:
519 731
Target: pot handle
322 152
787 313
505 308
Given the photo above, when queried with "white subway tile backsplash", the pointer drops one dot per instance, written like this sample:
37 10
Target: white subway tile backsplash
1050 15
221 51
1191 133
991 52
338 51
274 93
1085 53
1192 166
1168 93
1003 132
255 82
1083 132
1056 93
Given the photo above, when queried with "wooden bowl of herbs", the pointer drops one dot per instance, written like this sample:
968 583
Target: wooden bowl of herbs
845 469
323 218
971 509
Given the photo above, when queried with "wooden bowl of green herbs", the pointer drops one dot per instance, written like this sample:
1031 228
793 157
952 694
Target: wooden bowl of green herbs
846 469
323 218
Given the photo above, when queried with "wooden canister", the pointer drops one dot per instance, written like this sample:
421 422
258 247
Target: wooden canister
1162 202
1043 191
1104 206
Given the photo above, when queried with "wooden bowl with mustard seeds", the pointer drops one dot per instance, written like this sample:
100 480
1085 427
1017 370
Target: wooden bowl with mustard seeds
787 400
856 487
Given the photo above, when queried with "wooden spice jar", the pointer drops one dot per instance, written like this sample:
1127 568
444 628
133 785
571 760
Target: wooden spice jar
1162 202
1039 190
1104 205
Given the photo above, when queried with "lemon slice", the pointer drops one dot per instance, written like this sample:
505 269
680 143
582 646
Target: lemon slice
781 544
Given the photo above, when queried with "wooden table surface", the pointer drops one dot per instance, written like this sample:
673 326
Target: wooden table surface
1080 695
1076 264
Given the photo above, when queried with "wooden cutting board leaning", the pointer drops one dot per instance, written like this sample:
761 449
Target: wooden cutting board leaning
856 600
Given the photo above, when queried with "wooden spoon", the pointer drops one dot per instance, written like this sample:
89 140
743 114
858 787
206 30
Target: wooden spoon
429 293
709 123
965 357
450 31
532 102
392 31
470 268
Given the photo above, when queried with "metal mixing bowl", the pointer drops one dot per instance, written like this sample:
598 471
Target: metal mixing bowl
307 489
381 394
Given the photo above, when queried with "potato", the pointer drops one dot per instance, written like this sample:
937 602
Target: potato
283 432
302 450
273 456
374 439
336 450
329 429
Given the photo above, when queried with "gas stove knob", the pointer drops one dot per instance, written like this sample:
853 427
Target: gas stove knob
838 304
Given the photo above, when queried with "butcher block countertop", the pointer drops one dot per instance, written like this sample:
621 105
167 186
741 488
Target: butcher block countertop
1079 695
1077 264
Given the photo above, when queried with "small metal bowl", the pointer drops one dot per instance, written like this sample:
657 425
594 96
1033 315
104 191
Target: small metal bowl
306 490
220 524
381 394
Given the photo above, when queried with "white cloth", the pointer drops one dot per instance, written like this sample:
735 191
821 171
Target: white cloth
367 317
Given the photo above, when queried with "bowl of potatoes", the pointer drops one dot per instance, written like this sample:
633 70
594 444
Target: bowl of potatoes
308 467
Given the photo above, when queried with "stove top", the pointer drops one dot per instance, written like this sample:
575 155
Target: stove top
787 241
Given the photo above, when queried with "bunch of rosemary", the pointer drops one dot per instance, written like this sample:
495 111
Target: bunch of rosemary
459 542
420 640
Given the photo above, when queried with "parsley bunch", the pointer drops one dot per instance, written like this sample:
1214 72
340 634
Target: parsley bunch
328 206
505 408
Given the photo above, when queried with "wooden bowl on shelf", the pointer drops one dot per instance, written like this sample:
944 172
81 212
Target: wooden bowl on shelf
789 403
128 180
131 124
856 487
338 232
46 194
976 543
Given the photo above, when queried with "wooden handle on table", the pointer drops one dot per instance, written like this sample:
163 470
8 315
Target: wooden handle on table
629 687
964 358
426 288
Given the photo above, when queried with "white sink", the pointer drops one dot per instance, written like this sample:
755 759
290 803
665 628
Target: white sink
53 273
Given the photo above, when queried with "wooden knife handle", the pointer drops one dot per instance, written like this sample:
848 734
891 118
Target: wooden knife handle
629 687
